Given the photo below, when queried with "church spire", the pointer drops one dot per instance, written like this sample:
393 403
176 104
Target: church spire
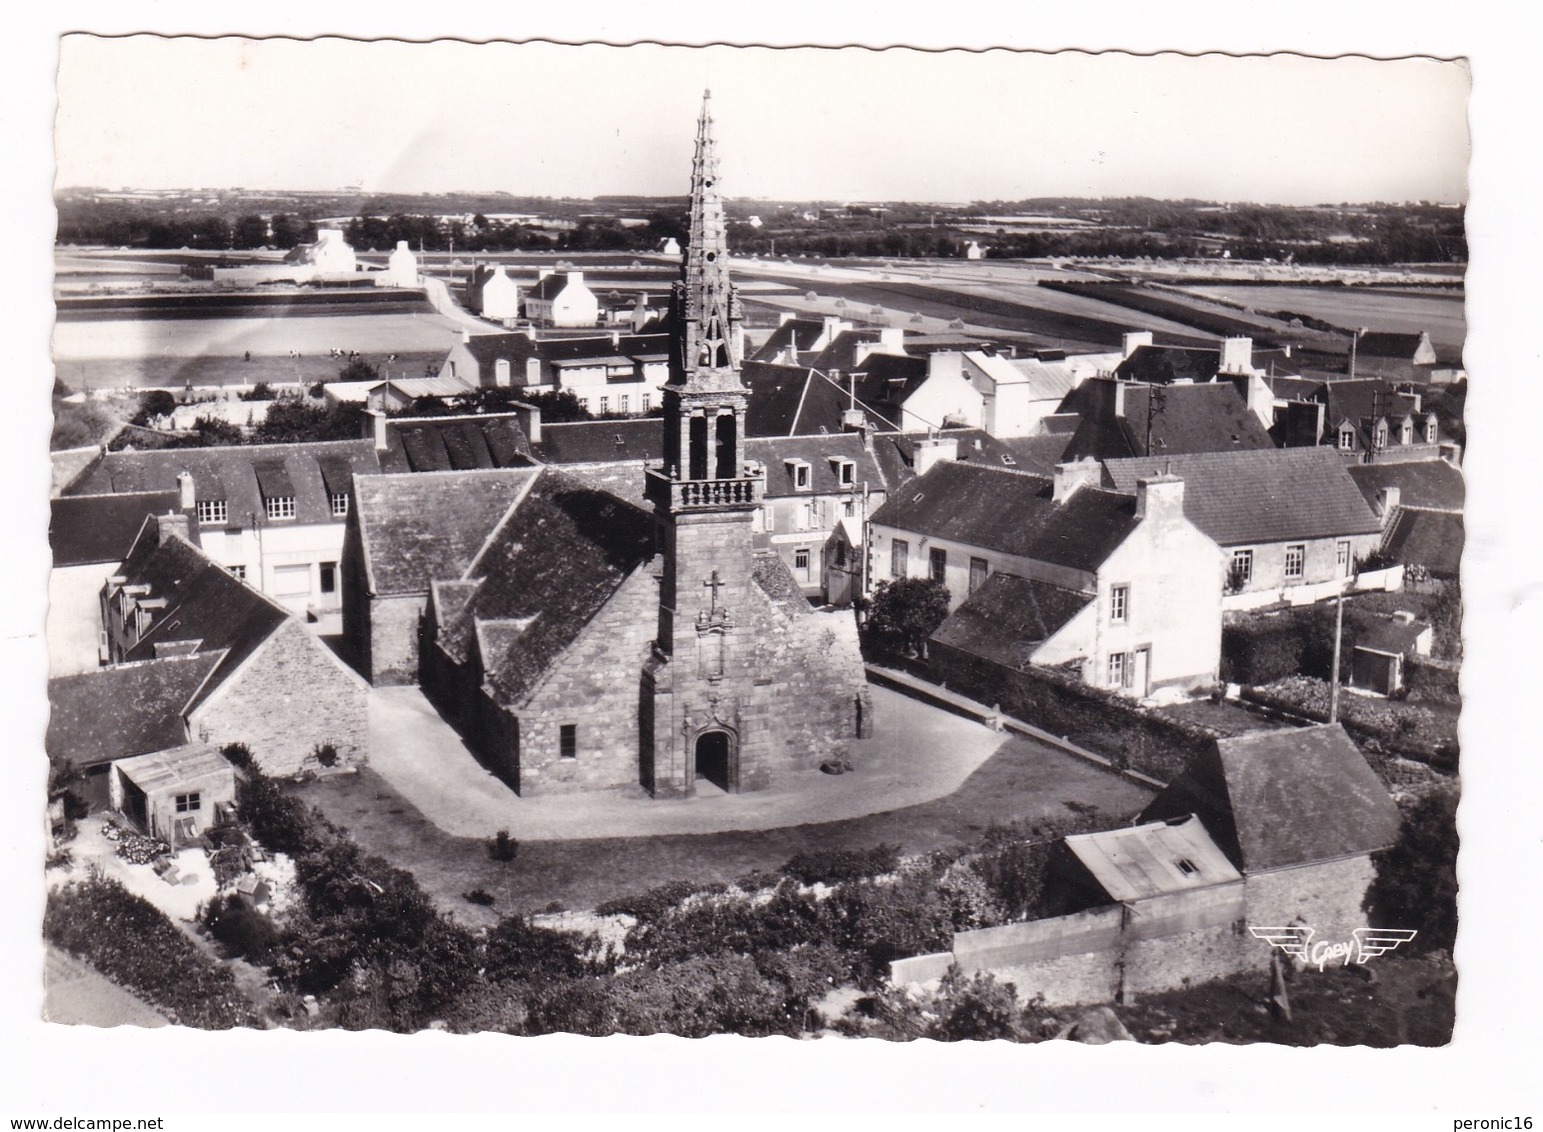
707 307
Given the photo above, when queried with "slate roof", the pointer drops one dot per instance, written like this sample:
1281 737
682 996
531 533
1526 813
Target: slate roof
801 333
128 709
1274 799
1385 344
85 529
556 558
1433 484
553 285
840 353
1387 635
790 401
1363 398
772 573
1012 513
232 473
415 528
622 478
456 443
1239 498
817 452
1046 380
1183 419
1008 618
489 349
894 453
1163 364
591 442
1142 861
205 603
1433 539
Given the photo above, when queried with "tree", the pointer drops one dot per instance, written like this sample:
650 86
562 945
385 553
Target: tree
1416 881
154 403
904 614
249 231
358 369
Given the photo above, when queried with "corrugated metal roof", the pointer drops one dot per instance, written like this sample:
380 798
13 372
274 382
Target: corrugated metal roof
1153 859
180 766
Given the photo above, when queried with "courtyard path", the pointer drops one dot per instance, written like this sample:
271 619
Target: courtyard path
75 994
918 754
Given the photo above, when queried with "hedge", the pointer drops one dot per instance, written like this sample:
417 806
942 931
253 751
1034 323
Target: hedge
1262 647
128 939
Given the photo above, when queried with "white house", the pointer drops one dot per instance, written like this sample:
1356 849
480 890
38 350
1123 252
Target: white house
402 267
562 300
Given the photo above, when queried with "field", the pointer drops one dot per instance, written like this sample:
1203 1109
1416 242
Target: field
117 353
1353 307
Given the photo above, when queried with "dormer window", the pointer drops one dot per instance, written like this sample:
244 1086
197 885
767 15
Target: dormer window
798 472
1406 432
1430 429
280 506
278 491
845 471
1380 435
1347 439
339 501
211 511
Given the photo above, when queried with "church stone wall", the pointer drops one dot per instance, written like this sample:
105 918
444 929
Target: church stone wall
394 626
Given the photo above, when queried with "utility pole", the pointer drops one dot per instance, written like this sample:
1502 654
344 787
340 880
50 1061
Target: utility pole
1339 631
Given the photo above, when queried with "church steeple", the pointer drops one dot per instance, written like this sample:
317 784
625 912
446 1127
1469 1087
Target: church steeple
704 402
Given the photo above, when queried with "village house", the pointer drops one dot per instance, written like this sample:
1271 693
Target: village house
1421 506
272 514
393 394
1061 572
1402 357
1120 418
492 294
609 373
1291 521
561 300
197 655
1273 830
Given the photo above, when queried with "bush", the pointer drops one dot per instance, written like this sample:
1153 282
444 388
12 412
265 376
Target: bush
479 896
1416 881
517 950
503 847
247 932
326 755
830 866
648 905
128 939
1262 647
902 616
153 403
238 755
262 391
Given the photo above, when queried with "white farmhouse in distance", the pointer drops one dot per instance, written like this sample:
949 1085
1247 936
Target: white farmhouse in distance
402 268
562 300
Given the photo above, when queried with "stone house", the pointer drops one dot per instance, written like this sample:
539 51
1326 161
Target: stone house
1275 829
561 300
1118 419
1060 572
1290 520
613 372
268 681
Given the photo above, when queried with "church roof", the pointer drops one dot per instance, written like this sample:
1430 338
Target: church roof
456 443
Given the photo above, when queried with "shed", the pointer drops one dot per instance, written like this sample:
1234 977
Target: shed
1381 648
176 794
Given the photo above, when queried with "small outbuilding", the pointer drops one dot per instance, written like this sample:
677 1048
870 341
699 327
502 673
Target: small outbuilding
176 794
1381 648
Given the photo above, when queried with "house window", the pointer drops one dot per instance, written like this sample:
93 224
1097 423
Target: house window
648 401
281 506
937 564
899 558
1406 433
1119 670
979 571
1296 559
1430 429
1342 557
605 405
329 577
841 554
848 508
239 571
188 803
1119 604
625 403
212 511
1186 866
1347 439
801 563
1242 571
801 477
568 741
1380 436
339 504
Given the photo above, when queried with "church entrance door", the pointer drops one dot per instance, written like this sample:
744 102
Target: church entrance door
713 751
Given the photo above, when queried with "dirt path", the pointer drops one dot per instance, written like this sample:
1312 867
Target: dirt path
75 994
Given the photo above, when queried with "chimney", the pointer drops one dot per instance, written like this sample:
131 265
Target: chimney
575 278
186 491
855 420
861 351
892 339
1069 477
1160 498
1119 397
375 428
529 417
1237 355
930 450
542 273
784 317
1131 339
946 363
168 526
1387 503
616 339
465 336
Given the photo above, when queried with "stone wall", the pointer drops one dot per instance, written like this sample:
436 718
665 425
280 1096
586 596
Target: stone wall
1128 735
395 624
289 697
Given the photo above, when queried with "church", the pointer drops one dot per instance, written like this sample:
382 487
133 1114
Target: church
581 642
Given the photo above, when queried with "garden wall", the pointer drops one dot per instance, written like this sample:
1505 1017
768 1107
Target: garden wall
1128 735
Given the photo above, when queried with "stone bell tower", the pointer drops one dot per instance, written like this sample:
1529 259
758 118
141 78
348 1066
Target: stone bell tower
700 686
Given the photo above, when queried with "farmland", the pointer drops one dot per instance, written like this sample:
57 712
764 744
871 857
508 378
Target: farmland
1441 314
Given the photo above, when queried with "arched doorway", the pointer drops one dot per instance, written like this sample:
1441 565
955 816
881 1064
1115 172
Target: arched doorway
715 759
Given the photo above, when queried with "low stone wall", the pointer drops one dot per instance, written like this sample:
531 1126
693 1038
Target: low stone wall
1128 735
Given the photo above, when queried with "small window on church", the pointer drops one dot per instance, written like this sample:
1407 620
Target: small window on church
568 742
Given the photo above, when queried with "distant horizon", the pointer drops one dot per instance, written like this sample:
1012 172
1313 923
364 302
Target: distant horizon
734 199
794 124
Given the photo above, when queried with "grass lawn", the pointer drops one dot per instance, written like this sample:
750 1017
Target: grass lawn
1022 780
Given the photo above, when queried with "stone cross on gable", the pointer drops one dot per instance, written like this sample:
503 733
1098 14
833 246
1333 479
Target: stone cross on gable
717 619
715 583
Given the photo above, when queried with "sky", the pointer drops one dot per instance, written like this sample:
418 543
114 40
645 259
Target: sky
545 119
